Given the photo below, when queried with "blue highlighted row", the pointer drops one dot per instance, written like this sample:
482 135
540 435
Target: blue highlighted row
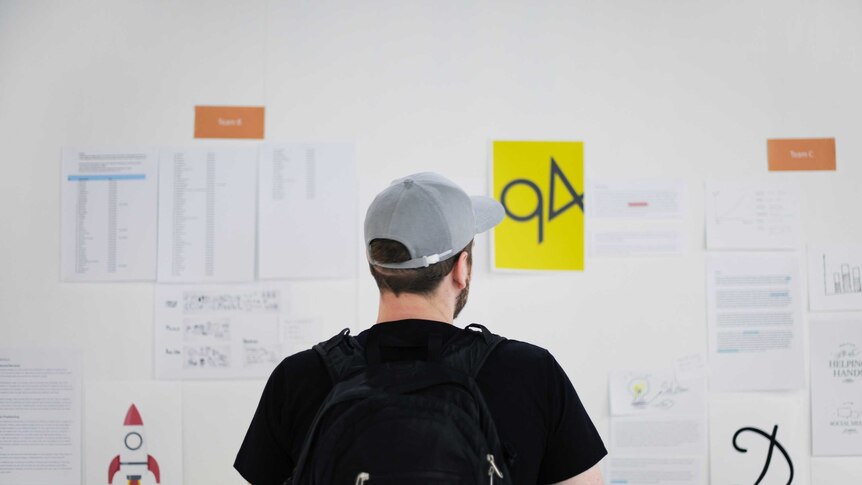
129 176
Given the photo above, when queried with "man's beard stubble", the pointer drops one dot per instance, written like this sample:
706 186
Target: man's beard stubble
461 300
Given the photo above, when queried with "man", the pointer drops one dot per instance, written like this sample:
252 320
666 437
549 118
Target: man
419 238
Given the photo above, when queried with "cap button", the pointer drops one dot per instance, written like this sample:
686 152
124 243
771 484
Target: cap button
408 183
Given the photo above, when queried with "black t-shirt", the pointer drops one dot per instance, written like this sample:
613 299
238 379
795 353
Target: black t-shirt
535 408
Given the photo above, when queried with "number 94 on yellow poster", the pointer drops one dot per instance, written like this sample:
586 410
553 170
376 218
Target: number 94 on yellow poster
541 187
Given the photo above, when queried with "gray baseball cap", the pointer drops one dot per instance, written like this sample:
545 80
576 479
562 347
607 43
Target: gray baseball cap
431 216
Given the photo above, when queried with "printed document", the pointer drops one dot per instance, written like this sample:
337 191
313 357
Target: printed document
40 416
207 215
307 201
752 215
755 322
836 386
637 198
108 214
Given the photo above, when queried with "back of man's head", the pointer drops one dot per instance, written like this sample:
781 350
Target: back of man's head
422 281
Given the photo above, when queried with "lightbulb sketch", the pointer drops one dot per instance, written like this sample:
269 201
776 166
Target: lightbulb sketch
638 389
847 279
644 394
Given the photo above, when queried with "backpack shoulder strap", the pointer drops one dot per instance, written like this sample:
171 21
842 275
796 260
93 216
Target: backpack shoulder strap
469 350
342 356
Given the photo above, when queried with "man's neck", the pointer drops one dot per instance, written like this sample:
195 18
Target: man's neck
409 305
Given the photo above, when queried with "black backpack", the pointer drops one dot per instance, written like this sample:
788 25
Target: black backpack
407 422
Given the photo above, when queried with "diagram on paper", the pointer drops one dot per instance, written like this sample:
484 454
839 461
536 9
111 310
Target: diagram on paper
835 278
751 215
224 331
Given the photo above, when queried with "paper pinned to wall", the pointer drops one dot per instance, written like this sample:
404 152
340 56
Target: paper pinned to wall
836 387
757 435
755 322
643 470
134 429
221 331
109 214
752 215
541 187
637 198
656 391
40 416
835 277
307 201
207 215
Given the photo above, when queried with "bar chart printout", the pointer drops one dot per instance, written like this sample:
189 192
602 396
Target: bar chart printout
835 278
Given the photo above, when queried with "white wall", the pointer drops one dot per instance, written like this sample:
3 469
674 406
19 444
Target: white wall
670 88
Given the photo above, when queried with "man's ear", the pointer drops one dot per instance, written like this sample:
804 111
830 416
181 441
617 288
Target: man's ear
461 271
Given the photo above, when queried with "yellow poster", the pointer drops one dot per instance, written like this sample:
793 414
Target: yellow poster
541 187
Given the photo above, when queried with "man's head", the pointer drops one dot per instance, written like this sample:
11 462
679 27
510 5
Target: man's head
419 235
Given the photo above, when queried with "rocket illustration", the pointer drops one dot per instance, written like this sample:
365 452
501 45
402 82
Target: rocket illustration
133 461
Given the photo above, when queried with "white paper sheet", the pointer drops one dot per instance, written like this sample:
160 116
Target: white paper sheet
836 387
645 243
734 416
160 436
642 470
835 278
307 202
207 215
663 435
40 416
752 215
637 198
224 331
755 322
109 214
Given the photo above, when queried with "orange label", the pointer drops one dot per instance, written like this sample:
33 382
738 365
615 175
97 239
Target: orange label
229 122
802 154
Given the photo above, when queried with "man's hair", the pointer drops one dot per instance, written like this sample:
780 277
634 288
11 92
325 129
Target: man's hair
422 281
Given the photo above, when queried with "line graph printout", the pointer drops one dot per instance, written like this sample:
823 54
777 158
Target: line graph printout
836 387
752 215
207 215
835 278
109 201
307 199
221 331
754 321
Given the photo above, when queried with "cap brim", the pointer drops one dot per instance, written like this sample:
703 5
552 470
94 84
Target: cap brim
487 212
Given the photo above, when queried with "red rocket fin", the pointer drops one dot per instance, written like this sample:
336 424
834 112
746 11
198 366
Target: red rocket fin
113 468
153 466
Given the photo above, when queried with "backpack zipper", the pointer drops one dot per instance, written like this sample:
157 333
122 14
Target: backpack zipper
493 470
362 478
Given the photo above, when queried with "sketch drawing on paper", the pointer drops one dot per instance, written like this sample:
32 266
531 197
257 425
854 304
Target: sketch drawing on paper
205 356
841 278
133 462
732 208
640 388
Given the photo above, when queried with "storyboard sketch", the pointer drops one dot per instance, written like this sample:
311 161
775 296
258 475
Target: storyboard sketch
224 331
